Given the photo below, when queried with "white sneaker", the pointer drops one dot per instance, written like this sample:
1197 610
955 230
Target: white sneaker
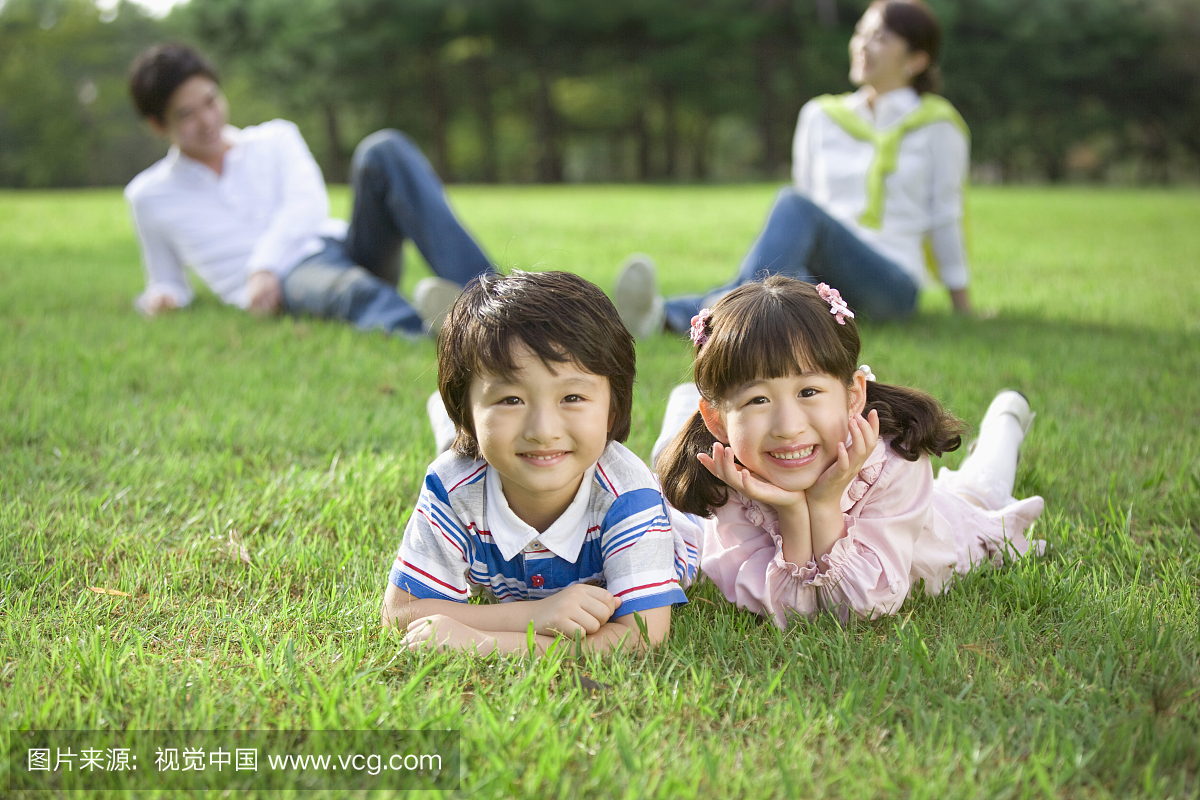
444 431
432 299
636 297
1010 401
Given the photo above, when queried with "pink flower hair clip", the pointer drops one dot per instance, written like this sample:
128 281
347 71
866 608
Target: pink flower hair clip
699 323
837 306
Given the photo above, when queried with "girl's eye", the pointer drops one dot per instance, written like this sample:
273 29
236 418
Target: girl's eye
757 401
510 401
808 392
573 398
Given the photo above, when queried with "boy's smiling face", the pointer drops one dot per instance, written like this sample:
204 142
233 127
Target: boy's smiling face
541 429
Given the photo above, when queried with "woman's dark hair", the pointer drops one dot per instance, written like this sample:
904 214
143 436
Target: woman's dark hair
559 316
774 329
914 22
159 71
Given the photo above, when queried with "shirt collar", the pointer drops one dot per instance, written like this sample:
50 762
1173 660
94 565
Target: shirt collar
178 161
511 534
889 106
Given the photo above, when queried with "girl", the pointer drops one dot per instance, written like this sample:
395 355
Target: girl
538 506
877 174
811 505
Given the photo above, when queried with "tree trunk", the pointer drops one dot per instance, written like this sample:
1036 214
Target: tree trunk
670 133
439 114
827 15
642 131
764 74
338 166
481 98
700 151
549 167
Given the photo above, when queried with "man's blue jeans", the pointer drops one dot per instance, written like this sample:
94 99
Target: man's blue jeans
397 196
802 241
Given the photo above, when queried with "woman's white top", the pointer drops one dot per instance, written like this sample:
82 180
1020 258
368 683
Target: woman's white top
924 195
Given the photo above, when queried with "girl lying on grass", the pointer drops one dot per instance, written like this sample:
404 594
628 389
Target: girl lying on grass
538 505
812 505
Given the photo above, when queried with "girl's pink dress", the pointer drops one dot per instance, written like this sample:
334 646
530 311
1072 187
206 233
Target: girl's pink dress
901 527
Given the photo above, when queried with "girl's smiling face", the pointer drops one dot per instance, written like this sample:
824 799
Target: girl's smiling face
786 430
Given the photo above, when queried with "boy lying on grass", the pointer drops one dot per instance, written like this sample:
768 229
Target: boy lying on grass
538 505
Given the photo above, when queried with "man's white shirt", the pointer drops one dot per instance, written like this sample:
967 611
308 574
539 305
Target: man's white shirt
924 196
267 210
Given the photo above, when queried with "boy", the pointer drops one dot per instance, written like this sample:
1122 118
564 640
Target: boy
538 505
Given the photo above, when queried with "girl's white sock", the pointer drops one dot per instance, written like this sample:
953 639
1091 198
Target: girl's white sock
989 472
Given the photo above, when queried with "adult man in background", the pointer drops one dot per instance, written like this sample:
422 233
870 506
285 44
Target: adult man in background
247 210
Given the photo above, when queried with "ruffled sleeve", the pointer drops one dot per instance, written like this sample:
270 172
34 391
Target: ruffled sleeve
886 510
743 556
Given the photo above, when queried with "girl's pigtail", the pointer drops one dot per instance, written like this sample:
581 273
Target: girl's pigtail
914 422
687 485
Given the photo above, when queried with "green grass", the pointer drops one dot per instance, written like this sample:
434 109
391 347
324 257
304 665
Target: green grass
138 455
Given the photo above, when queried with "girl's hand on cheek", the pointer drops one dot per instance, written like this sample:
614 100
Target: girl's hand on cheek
723 465
831 484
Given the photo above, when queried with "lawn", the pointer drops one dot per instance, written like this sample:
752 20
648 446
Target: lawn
238 487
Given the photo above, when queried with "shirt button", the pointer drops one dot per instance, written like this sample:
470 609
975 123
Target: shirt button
537 581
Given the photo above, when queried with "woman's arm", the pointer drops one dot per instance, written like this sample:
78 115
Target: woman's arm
950 153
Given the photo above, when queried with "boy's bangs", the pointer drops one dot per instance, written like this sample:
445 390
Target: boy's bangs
494 351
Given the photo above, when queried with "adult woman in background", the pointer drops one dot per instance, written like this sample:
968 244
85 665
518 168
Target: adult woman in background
878 174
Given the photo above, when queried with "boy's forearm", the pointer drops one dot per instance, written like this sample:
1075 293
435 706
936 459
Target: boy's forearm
511 617
611 636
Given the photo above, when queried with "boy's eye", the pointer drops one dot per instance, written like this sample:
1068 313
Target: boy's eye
573 398
757 401
510 401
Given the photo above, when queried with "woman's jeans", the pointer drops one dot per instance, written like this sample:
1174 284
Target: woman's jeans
802 241
397 195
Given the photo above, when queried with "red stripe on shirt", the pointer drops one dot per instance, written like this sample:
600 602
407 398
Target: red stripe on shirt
611 486
435 580
445 536
468 478
647 586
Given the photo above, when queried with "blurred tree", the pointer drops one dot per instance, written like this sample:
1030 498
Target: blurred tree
549 90
65 115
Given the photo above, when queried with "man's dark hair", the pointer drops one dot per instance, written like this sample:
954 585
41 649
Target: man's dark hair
559 316
159 71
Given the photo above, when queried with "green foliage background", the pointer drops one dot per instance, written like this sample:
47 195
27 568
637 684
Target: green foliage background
604 90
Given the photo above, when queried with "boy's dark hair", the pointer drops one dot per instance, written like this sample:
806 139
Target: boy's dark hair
773 329
159 70
559 316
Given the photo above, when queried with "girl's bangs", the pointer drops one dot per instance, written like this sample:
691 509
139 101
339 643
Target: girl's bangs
773 341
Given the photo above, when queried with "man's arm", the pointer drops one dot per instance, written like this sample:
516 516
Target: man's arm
304 206
166 284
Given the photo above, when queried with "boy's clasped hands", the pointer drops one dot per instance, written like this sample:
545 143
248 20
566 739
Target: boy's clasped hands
578 610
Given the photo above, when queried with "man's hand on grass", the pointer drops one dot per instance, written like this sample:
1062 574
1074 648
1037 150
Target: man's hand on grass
265 293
